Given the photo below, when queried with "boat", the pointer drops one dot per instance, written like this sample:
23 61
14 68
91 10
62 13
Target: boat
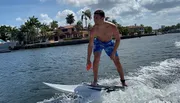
6 46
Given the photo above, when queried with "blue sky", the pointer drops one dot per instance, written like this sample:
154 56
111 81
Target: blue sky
127 12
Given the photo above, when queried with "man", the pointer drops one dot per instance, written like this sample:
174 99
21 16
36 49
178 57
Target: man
104 31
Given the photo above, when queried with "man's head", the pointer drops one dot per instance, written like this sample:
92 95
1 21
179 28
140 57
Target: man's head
99 16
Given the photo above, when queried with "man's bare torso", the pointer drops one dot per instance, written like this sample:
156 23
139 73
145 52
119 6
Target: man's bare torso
104 32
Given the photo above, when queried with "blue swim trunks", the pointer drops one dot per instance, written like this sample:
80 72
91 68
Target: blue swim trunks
107 46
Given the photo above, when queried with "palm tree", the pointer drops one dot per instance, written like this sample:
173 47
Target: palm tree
86 15
89 26
114 21
31 29
79 26
44 31
5 32
14 32
142 25
107 18
70 19
33 25
54 24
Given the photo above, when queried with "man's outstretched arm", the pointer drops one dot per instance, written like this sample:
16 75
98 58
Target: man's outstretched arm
117 37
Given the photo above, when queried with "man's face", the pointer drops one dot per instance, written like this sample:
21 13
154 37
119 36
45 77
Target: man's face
97 18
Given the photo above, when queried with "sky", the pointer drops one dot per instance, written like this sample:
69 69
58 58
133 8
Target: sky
126 12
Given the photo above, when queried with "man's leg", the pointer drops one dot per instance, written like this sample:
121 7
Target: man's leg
119 69
95 66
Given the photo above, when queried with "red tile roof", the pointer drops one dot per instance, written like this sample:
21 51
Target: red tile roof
67 27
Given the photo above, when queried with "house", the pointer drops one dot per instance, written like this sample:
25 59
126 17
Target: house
69 31
135 30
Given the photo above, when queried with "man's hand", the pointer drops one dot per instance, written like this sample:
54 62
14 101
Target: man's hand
88 62
88 65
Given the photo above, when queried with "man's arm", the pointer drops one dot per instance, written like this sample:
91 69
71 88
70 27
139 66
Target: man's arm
117 37
90 45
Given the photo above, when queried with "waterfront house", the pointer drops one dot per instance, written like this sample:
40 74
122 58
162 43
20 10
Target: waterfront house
135 30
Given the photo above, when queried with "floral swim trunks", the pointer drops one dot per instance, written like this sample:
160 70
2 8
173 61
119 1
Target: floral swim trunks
107 46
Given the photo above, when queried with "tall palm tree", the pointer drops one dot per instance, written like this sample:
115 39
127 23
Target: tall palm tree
70 19
86 15
54 25
44 31
32 28
107 18
14 32
23 36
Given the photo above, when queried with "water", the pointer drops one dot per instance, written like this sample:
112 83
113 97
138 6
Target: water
151 66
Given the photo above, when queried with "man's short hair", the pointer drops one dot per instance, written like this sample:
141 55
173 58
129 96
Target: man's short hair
100 12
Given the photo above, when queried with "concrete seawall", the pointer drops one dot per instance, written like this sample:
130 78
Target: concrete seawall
66 42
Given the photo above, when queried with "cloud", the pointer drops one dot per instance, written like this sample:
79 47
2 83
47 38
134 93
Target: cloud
45 18
169 11
78 2
20 19
129 12
158 5
64 13
61 16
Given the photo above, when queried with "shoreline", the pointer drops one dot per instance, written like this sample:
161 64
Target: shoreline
68 42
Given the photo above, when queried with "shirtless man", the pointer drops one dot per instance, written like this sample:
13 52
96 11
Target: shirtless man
104 31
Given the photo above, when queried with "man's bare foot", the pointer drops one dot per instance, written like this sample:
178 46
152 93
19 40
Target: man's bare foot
123 83
94 84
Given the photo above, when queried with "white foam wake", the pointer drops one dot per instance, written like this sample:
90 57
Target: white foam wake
177 44
145 87
148 85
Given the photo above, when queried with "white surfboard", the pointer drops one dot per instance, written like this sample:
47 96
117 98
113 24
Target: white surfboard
62 88
85 87
80 89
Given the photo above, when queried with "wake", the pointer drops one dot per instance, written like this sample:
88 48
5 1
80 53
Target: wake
177 44
157 83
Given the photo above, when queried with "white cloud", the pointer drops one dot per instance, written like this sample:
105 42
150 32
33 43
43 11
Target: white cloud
61 16
20 19
78 2
45 18
83 9
128 12
158 5
169 11
64 13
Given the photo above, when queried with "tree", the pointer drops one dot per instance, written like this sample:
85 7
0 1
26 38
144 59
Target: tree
178 25
14 33
89 26
86 15
70 19
31 29
79 26
44 30
54 25
142 25
148 29
114 21
5 32
125 31
107 19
